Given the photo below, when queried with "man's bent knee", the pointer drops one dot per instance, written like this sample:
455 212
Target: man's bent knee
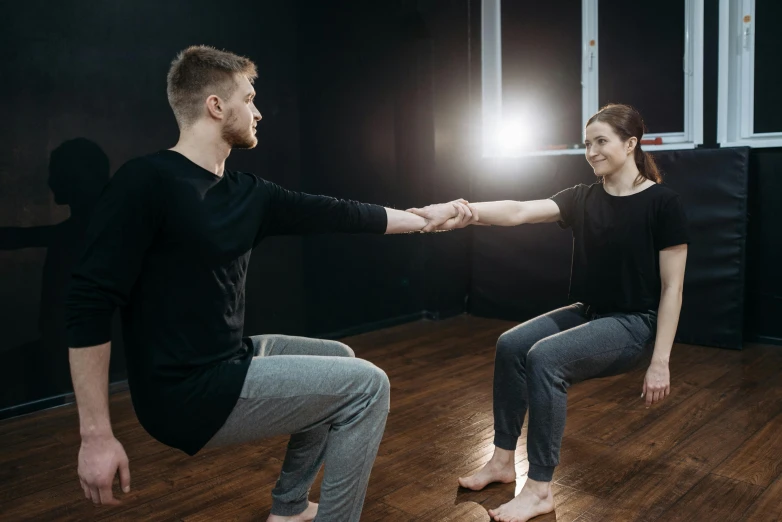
338 349
380 384
380 380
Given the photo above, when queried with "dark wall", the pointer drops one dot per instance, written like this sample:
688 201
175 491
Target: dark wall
764 247
454 42
376 101
360 100
763 299
385 108
364 120
97 76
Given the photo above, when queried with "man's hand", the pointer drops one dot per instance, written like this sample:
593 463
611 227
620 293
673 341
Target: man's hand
99 460
657 383
446 216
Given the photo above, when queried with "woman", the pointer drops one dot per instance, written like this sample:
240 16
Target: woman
630 250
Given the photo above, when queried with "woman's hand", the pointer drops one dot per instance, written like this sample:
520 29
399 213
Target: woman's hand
657 383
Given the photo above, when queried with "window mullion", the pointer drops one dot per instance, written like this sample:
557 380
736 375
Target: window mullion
725 75
589 64
491 74
694 104
747 71
687 68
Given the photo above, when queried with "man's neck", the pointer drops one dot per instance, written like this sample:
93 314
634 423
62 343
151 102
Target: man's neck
207 154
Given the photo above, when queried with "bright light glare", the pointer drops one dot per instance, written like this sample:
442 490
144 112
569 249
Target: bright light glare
512 136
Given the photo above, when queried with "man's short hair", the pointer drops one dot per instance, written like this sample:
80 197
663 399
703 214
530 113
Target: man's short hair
198 72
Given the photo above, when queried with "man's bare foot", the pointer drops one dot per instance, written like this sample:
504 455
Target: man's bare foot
308 515
501 468
535 499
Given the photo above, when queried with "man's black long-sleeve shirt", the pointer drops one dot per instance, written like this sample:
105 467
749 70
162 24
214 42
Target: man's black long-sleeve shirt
169 243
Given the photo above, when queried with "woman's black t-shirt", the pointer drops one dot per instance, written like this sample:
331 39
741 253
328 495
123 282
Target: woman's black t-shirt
616 244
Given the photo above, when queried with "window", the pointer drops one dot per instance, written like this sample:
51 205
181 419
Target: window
545 72
749 75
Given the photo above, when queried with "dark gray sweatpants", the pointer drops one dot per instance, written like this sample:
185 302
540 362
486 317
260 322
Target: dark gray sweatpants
538 360
335 408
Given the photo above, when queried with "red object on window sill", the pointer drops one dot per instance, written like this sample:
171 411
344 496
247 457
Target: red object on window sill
657 141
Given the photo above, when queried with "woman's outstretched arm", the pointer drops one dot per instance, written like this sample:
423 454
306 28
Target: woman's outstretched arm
501 213
511 213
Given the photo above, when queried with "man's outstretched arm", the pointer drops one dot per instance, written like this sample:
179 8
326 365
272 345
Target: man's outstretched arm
292 212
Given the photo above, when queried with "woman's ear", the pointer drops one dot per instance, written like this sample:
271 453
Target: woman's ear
632 143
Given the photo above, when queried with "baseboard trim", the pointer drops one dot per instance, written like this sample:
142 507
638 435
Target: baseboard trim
443 314
119 386
763 339
376 325
51 402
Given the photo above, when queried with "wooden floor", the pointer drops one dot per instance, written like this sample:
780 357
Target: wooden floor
710 452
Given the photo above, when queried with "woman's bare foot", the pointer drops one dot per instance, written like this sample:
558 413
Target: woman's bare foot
501 468
308 515
535 499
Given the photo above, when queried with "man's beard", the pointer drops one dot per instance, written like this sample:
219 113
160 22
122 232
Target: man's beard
237 137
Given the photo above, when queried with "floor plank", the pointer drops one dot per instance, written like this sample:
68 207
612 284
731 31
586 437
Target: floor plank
759 460
768 507
661 482
714 498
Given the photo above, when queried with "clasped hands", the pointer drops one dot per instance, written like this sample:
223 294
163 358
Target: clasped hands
447 216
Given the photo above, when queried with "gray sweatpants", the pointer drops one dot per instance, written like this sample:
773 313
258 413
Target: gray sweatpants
537 361
335 408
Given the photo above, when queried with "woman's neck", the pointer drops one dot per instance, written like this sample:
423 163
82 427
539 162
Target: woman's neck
623 181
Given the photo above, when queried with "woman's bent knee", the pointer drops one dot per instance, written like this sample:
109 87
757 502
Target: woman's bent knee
512 345
538 358
505 346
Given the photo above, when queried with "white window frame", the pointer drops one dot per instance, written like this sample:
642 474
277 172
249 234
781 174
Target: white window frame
491 72
736 93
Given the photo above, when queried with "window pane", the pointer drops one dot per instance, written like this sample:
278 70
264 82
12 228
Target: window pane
768 73
641 48
541 69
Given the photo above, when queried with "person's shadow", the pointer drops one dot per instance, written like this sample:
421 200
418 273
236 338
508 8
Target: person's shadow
78 172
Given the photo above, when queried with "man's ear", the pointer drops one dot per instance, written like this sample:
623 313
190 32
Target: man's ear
215 107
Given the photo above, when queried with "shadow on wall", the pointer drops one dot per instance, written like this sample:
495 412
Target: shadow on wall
78 171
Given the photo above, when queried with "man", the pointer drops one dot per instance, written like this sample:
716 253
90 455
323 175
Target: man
170 244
